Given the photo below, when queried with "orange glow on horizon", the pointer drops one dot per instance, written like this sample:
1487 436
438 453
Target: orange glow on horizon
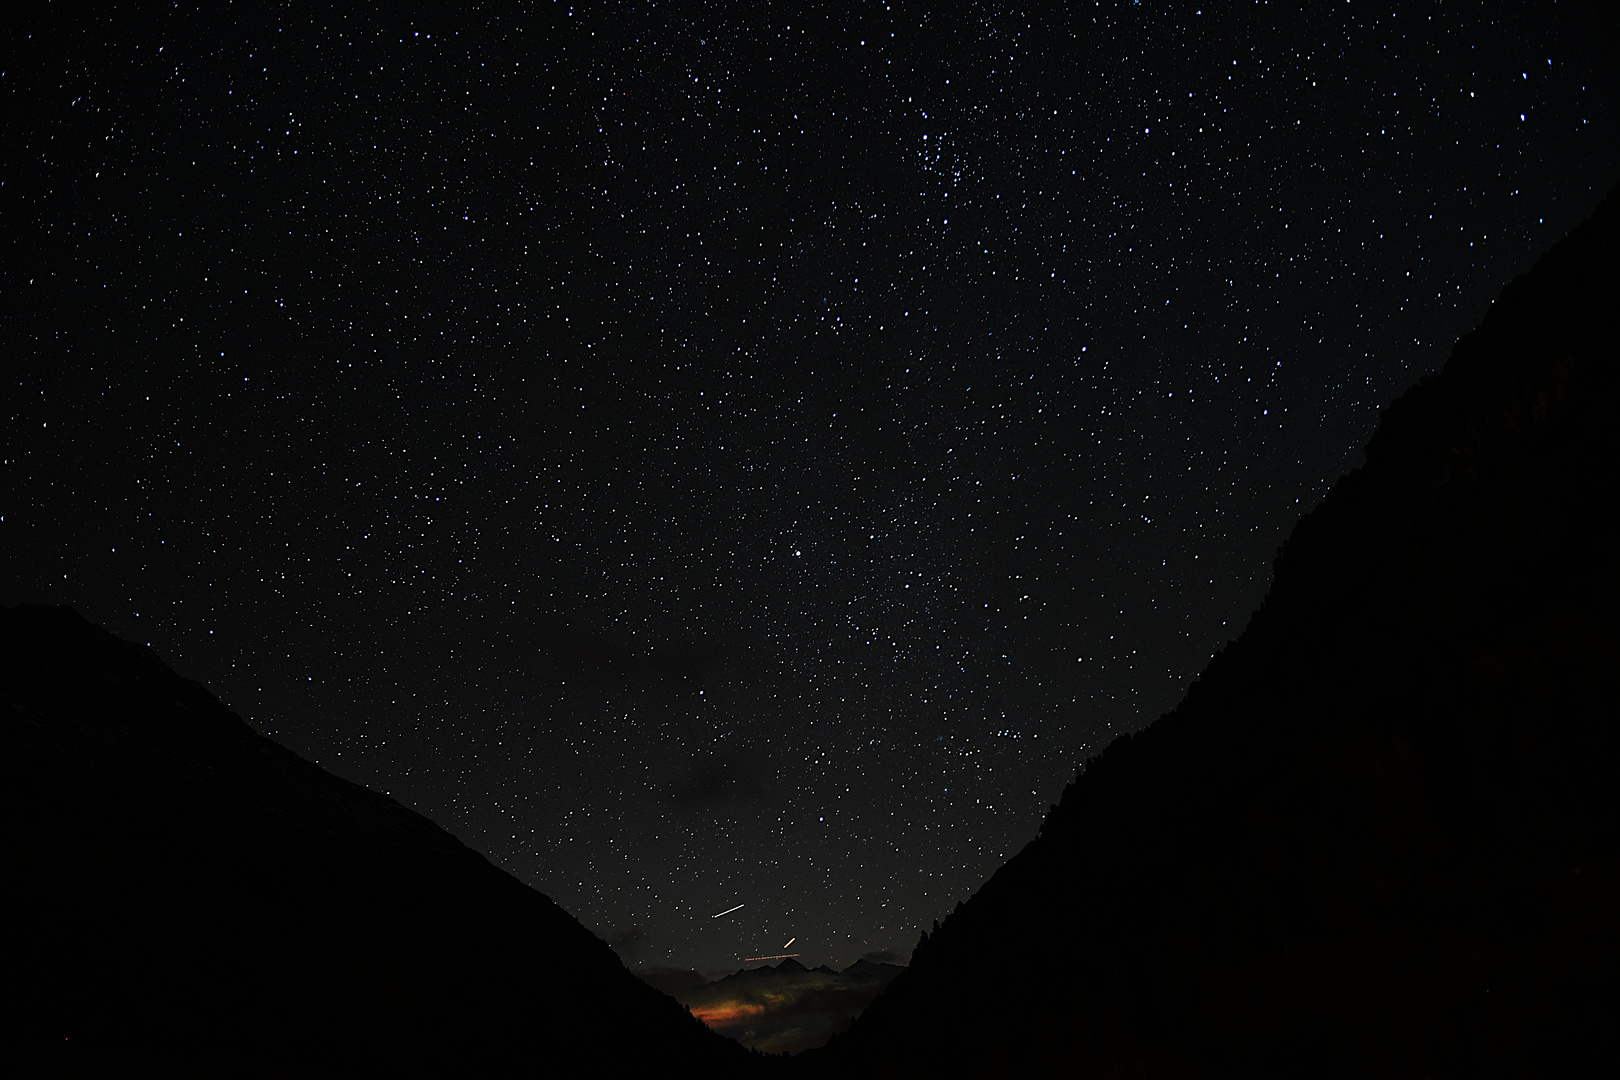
726 1012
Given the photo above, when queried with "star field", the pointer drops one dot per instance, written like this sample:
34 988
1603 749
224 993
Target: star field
706 455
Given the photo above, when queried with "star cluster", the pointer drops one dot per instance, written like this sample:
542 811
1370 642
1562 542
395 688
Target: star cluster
713 454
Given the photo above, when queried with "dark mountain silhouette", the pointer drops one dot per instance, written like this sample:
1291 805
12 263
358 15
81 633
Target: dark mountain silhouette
1379 835
190 898
1377 838
861 970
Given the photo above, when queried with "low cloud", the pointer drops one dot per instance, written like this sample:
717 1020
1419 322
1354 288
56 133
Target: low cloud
787 1008
714 784
629 943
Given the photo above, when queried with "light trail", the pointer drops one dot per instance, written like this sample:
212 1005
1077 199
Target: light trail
779 956
728 911
791 940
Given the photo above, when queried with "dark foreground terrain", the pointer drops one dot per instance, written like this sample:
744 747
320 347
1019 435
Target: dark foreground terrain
189 898
1379 836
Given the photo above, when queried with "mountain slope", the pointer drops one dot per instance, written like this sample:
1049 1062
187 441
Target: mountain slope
196 898
1379 835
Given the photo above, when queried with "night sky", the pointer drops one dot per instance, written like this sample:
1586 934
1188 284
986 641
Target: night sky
739 453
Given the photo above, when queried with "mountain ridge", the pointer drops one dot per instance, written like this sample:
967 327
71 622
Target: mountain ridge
201 899
1374 837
